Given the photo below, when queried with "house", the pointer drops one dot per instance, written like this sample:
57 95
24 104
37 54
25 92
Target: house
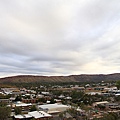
61 96
78 88
29 100
118 94
37 115
100 103
5 101
18 117
68 98
94 93
40 115
45 93
40 96
22 117
99 88
58 100
113 105
23 106
11 91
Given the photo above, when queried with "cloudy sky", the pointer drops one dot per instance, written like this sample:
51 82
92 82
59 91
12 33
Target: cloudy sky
59 37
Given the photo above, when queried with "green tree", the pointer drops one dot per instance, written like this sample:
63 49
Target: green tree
117 98
18 110
33 119
61 116
33 108
18 98
52 101
3 104
118 84
4 111
102 107
42 100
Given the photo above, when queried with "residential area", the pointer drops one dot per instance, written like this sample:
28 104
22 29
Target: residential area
93 101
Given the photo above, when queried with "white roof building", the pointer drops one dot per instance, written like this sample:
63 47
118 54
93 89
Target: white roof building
18 116
61 96
34 114
39 114
45 93
54 107
118 94
94 93
23 104
27 116
102 102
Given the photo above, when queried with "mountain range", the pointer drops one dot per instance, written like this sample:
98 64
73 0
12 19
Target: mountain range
70 78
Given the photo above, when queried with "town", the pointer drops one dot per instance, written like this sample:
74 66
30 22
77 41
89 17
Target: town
88 101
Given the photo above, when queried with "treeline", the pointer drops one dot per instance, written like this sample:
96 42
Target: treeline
47 84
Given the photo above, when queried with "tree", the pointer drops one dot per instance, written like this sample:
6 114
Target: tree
52 101
61 116
42 100
32 119
102 107
117 98
33 108
4 111
18 98
118 84
18 110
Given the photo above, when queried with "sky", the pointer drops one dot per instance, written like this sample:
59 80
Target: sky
59 37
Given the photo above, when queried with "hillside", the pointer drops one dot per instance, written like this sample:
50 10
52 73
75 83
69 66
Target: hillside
71 78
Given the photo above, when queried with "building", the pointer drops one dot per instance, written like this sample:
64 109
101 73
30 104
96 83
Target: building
100 103
53 107
29 100
23 106
37 115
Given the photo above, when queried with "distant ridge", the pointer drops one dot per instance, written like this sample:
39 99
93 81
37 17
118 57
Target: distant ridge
70 78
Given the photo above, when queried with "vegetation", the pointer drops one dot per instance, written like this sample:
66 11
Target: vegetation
4 111
117 98
33 108
109 116
18 110
118 84
18 98
60 79
63 92
5 96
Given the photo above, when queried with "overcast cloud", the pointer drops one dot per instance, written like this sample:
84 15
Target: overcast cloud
59 37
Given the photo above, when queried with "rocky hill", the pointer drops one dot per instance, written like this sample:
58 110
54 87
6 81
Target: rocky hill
71 78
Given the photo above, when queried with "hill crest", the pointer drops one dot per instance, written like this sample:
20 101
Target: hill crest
70 78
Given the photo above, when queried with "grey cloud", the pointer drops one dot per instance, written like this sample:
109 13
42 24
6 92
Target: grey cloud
59 37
